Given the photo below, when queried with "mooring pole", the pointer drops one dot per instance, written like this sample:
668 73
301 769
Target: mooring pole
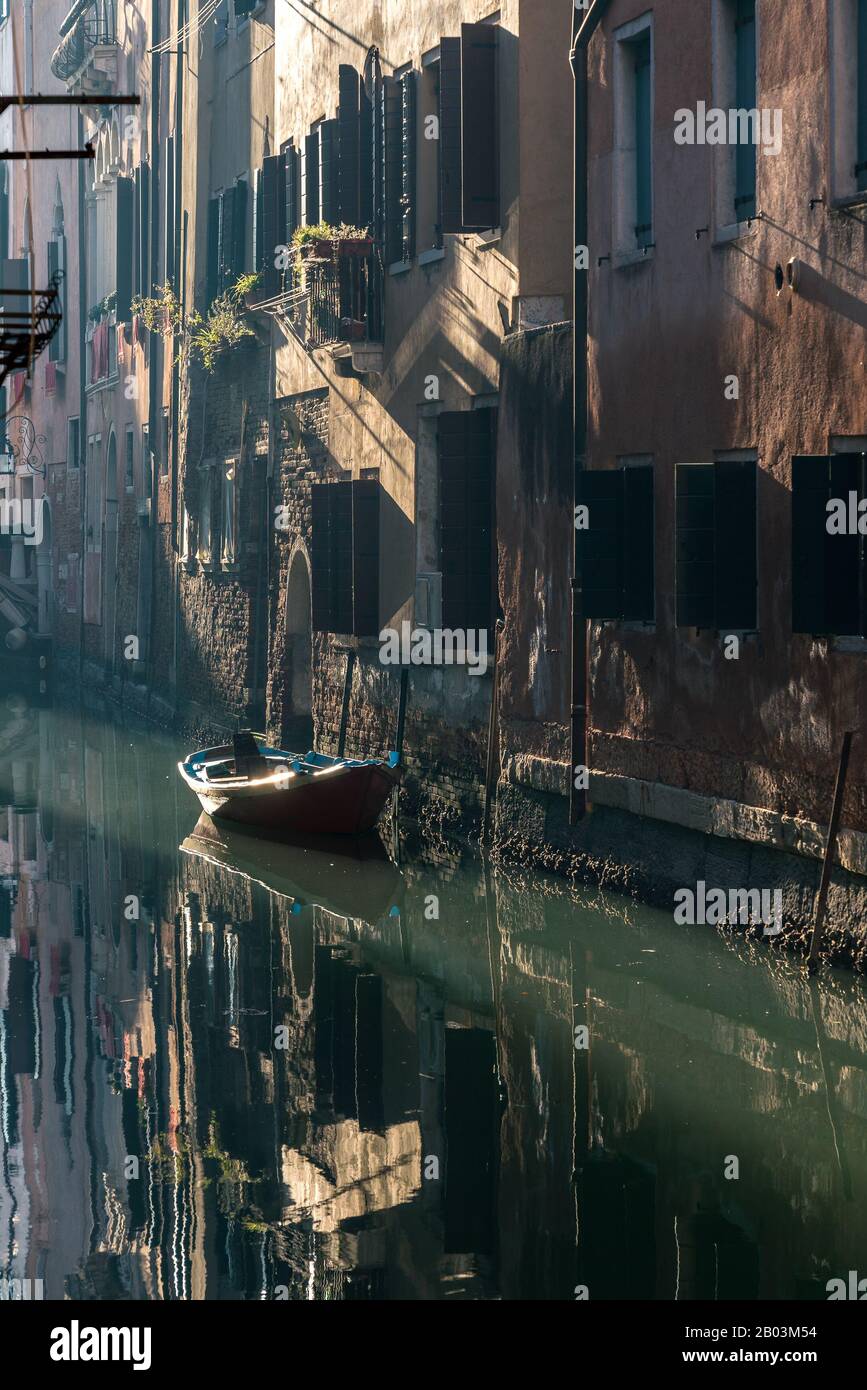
830 846
344 709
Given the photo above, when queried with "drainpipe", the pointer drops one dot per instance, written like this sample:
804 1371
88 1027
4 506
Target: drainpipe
585 22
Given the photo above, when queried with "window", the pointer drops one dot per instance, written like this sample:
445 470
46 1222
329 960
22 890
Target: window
848 51
469 130
429 175
615 546
829 567
715 544
146 459
56 257
221 22
204 551
73 457
228 553
348 145
310 180
227 239
735 89
345 557
466 449
164 444
129 460
633 118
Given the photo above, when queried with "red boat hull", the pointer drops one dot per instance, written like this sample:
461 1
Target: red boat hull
348 802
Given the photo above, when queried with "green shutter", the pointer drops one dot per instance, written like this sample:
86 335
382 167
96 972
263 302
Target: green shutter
212 278
124 249
169 209
348 145
329 203
735 545
745 99
639 580
273 185
291 194
331 556
480 144
450 135
144 239
226 238
310 180
365 159
258 237
391 119
694 545
599 547
643 144
239 231
408 164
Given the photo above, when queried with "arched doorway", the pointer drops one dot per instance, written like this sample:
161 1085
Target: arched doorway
297 731
109 571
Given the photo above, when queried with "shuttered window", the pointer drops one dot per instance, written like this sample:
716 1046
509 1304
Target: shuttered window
168 181
480 127
144 238
390 117
861 159
345 557
291 194
57 263
212 286
258 238
715 545
466 448
450 135
365 159
409 89
828 570
643 144
227 239
745 100
349 127
310 180
124 248
615 551
329 205
273 220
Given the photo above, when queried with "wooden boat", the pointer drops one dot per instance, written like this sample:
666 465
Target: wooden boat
310 793
348 876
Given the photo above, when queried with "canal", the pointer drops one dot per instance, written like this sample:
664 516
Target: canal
237 1070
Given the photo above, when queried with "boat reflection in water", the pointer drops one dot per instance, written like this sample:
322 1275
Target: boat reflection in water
259 1071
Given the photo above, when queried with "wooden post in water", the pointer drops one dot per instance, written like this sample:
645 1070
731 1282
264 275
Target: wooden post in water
344 709
830 846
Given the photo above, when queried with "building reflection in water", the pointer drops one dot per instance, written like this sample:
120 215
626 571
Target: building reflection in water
236 1070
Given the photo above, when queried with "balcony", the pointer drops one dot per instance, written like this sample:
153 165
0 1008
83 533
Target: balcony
86 57
335 300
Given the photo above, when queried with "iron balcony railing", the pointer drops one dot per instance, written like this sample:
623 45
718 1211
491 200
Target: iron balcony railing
90 24
336 300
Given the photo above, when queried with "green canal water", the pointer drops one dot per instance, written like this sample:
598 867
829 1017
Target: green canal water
238 1070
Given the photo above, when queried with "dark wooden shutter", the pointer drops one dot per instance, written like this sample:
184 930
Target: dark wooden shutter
137 287
331 557
169 210
258 229
310 180
291 194
391 120
348 146
124 249
735 545
694 545
408 164
450 135
466 442
329 202
843 553
57 263
638 545
144 238
599 548
239 231
365 159
226 237
273 183
212 276
480 145
365 557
